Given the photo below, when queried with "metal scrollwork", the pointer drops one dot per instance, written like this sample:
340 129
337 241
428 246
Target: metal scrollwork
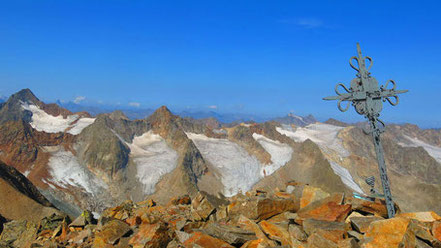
367 97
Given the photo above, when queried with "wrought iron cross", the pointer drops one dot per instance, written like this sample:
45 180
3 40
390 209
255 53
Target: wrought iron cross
367 98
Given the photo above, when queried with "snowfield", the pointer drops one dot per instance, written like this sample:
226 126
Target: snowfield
66 171
433 151
153 159
280 153
345 177
324 135
239 170
44 122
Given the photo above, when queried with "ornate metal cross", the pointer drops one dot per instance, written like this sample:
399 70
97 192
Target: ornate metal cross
367 98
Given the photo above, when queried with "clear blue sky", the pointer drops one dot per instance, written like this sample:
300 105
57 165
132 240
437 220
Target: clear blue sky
261 57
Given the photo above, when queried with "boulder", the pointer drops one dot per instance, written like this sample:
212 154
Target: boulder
18 233
361 224
250 225
421 216
229 233
110 233
201 208
151 235
329 209
297 232
276 232
348 243
259 208
436 230
386 233
311 194
318 241
377 207
199 239
334 231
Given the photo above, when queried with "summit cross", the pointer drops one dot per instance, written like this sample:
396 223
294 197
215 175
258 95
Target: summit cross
367 97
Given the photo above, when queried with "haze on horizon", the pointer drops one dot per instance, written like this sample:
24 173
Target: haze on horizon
267 58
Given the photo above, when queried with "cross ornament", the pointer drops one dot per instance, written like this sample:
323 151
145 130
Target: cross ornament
367 97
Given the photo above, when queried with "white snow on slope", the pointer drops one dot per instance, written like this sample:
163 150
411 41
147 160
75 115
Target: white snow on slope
66 171
44 122
153 158
324 135
80 125
238 169
280 153
345 177
433 151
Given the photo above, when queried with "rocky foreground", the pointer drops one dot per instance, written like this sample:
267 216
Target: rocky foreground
299 216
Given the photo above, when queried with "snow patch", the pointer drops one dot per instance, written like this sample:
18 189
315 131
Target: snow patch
65 171
345 177
78 126
44 122
324 135
153 159
26 173
239 170
280 153
434 151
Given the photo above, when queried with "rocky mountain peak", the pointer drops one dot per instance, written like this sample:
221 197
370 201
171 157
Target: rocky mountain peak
24 95
118 115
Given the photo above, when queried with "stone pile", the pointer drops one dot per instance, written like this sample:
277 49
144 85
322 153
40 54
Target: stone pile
299 216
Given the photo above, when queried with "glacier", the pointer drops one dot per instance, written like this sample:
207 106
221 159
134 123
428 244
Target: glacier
239 170
153 159
44 122
65 171
280 153
434 151
324 135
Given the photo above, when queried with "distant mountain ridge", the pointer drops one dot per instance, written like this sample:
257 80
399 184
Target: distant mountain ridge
82 162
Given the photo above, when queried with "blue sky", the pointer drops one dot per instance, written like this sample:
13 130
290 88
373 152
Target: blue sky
260 57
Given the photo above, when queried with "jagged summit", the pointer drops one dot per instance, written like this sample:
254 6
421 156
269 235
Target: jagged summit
335 122
161 113
296 120
25 95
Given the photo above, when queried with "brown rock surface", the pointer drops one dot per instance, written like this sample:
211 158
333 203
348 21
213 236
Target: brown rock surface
329 209
206 241
19 198
386 233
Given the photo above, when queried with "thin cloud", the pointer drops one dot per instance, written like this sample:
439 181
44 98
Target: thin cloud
79 99
135 104
308 23
212 106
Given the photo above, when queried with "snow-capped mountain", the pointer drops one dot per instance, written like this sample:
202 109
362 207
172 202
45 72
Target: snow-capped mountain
80 162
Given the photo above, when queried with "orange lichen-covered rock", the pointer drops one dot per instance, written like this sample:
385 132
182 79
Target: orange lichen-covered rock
259 208
250 225
421 216
276 232
311 194
325 210
151 235
386 233
253 244
206 241
110 233
377 207
436 230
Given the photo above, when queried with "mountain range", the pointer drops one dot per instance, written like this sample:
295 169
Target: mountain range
81 161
